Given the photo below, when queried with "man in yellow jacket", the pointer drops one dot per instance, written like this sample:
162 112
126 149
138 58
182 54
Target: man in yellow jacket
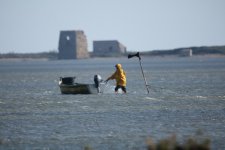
120 76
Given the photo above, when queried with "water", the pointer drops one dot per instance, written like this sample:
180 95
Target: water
187 95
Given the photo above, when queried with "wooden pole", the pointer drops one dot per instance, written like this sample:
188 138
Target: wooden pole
143 75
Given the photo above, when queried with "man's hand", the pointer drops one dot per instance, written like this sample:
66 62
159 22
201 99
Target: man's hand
106 81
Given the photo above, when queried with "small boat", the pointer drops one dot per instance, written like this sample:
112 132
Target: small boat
68 86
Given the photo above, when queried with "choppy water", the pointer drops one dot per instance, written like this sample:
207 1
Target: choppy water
186 95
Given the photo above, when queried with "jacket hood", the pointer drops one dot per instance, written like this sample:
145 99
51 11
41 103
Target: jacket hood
119 66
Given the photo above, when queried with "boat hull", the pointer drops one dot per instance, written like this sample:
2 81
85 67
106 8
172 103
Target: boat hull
78 89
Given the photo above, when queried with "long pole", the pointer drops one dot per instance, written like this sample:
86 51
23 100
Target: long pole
143 75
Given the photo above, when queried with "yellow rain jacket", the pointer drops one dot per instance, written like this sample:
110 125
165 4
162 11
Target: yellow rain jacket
119 75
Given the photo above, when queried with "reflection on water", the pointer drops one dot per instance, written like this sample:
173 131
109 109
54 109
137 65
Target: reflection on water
186 95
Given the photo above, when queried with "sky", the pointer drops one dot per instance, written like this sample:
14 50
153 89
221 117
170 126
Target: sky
30 26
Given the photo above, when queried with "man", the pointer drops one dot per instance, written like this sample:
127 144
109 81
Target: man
120 76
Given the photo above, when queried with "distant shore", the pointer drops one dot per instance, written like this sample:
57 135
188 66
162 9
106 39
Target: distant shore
143 56
205 51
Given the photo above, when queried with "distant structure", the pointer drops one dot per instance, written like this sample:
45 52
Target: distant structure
186 52
72 45
108 48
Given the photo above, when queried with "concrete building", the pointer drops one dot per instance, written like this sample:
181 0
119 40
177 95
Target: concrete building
72 45
108 48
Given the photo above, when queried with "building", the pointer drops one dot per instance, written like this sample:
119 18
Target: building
186 52
108 48
72 45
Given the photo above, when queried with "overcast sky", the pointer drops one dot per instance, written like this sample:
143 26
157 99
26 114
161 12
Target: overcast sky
140 25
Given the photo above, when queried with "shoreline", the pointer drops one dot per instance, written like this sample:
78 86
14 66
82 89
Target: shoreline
144 56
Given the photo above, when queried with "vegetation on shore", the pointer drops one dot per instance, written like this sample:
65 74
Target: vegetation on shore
52 55
171 143
42 55
197 142
204 50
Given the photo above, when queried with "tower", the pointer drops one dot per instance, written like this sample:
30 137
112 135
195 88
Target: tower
72 45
